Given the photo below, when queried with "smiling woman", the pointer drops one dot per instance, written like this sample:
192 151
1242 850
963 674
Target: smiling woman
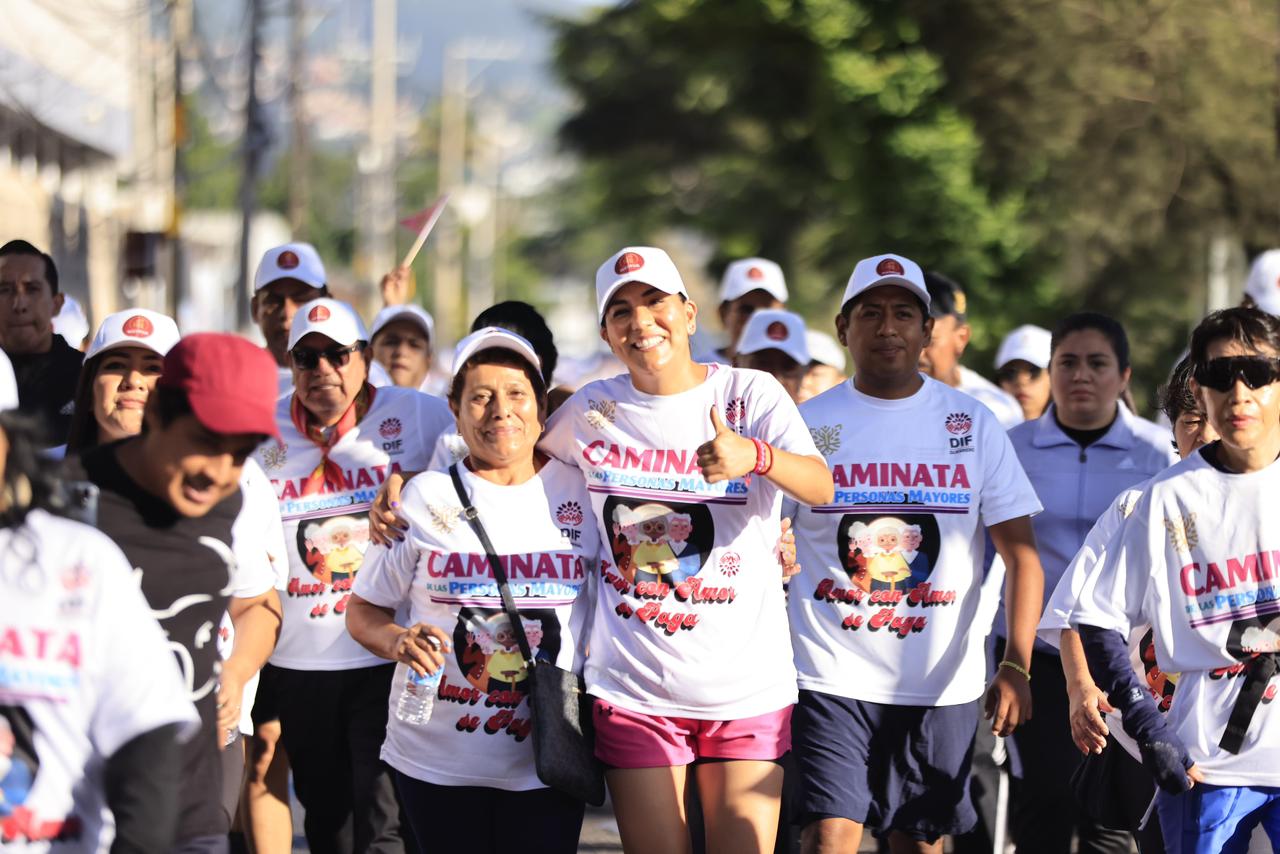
121 367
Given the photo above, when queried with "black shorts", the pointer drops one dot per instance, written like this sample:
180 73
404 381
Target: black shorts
899 768
266 703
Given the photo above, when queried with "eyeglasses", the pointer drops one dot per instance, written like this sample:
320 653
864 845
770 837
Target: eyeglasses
1222 374
1009 373
307 360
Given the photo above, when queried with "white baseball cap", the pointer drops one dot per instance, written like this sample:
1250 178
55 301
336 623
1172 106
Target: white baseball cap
1029 343
494 336
636 264
886 270
329 317
298 261
1263 284
825 350
753 274
774 329
70 322
412 313
134 327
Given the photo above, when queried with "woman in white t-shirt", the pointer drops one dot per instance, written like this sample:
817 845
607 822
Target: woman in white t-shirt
466 776
686 465
1196 559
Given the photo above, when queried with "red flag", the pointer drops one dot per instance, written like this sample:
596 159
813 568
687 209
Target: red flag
415 222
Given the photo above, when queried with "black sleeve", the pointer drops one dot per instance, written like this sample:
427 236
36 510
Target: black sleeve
142 780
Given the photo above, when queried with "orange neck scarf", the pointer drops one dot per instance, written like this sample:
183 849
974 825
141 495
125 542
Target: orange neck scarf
328 472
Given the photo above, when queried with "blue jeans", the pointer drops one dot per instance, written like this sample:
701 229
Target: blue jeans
1211 819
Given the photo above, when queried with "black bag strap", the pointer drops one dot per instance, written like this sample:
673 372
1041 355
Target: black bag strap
1258 673
472 516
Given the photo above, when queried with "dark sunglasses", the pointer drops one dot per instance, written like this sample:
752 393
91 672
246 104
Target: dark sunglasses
1009 373
1222 374
307 360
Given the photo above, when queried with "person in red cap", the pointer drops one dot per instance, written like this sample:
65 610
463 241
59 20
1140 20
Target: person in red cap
168 498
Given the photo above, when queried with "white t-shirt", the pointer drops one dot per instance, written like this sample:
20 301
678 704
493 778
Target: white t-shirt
257 538
84 669
691 618
1004 405
891 605
327 533
478 734
8 384
1062 603
1198 559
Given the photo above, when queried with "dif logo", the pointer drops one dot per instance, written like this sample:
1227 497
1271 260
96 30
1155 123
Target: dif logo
961 442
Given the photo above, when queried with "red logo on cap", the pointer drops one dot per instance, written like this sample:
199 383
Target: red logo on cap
287 260
319 314
889 267
777 331
137 327
755 273
628 263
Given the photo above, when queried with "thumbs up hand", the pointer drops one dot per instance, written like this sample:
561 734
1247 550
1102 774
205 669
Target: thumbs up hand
727 455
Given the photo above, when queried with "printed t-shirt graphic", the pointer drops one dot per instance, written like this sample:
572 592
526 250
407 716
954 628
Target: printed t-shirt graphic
84 669
1062 603
478 734
327 532
1198 559
185 567
891 605
691 620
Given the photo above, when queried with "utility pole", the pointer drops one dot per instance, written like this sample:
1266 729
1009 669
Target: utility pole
299 156
251 152
179 34
380 217
450 178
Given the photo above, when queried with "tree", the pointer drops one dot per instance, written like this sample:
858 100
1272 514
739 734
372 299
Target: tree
813 132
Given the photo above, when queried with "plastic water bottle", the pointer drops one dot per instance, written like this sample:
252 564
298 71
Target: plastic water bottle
418 696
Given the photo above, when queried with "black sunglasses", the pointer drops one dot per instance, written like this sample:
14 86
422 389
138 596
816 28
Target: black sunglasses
307 360
1222 374
1009 373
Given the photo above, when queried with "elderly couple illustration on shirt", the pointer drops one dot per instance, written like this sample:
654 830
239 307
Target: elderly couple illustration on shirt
885 554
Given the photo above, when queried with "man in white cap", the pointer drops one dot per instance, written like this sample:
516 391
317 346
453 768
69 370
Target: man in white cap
340 438
941 358
748 285
402 337
827 365
288 277
883 730
1022 364
773 341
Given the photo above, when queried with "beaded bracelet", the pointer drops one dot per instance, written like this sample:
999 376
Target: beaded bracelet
764 456
1016 668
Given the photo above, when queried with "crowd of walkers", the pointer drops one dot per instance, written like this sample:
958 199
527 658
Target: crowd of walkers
813 582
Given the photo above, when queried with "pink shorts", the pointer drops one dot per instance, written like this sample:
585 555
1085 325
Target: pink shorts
626 739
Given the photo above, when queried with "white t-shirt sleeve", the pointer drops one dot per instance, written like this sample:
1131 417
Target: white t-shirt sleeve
386 574
434 419
1006 491
1114 593
1057 612
141 686
257 537
558 439
781 424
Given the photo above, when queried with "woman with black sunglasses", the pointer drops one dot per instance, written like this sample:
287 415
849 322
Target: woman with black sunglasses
1198 559
1080 454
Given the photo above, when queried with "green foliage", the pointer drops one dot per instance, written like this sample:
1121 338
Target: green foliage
813 132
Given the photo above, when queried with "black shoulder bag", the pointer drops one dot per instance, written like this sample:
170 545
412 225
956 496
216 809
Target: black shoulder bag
563 738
